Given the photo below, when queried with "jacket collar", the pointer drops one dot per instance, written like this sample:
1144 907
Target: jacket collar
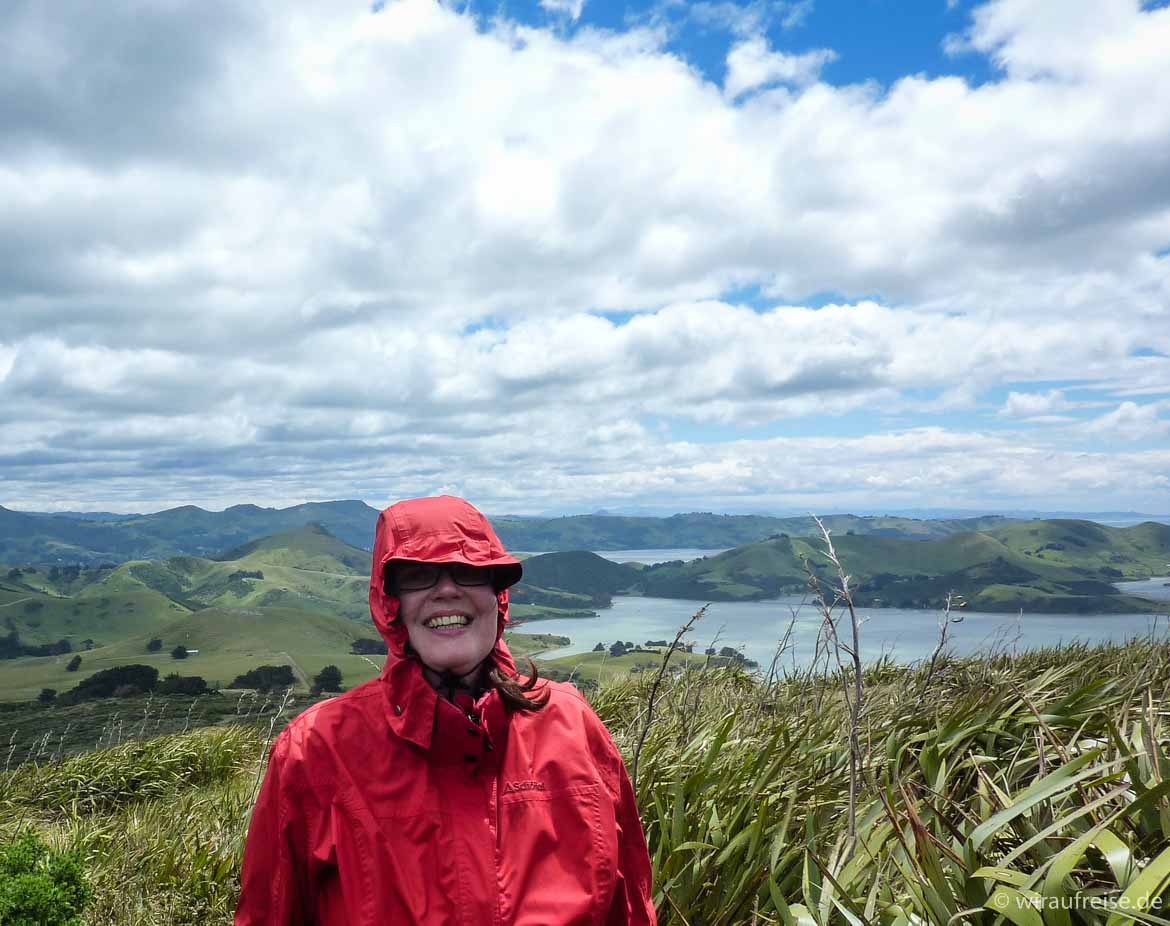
410 700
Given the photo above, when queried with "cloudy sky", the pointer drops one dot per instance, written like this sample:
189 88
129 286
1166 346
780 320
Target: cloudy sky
777 255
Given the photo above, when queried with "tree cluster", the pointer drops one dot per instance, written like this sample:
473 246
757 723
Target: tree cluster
265 678
174 684
328 679
12 647
120 681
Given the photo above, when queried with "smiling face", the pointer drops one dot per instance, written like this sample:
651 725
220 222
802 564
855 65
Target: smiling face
452 627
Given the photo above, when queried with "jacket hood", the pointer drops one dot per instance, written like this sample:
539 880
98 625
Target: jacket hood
444 529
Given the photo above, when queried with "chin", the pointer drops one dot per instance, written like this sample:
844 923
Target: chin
455 664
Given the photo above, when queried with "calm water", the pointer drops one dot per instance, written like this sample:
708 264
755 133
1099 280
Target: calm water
907 635
649 557
1157 589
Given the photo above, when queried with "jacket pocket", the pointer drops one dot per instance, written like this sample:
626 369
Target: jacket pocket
558 855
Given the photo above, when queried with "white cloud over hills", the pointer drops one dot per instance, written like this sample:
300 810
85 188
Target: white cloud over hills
269 252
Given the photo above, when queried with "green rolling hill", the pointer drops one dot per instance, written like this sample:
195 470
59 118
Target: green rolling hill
559 584
298 598
98 614
1119 552
1052 566
310 547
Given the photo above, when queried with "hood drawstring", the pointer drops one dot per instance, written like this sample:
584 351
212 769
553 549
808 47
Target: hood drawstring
451 685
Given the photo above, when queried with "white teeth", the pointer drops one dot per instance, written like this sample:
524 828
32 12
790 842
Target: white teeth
449 620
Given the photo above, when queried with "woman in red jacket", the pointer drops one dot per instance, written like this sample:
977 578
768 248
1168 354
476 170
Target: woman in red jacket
446 791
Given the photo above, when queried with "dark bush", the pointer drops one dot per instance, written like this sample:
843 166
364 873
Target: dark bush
265 678
12 647
179 652
103 684
74 664
367 646
47 695
328 679
154 645
192 685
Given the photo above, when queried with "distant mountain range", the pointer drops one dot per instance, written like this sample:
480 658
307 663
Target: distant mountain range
190 531
39 538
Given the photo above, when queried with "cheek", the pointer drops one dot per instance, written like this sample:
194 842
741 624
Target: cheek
488 609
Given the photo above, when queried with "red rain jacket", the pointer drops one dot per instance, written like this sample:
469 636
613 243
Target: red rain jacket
390 805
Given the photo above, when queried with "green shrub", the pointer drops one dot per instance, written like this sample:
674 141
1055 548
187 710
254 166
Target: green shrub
39 887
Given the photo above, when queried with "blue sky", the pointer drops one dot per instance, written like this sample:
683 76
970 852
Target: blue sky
875 40
668 256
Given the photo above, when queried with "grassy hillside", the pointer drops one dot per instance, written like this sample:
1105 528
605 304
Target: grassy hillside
1119 552
230 642
100 614
998 790
1049 566
297 598
574 581
309 547
751 572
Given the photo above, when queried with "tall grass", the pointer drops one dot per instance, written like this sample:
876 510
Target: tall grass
1030 789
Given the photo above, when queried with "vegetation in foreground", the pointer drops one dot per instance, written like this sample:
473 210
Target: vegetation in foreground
1030 789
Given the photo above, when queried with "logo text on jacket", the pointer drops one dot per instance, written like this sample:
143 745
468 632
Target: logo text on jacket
514 787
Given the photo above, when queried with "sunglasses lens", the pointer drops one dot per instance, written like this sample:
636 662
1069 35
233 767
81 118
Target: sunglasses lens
413 577
470 575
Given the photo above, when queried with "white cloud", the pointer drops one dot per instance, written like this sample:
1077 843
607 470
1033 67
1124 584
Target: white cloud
1132 422
750 65
313 251
1034 404
742 19
570 8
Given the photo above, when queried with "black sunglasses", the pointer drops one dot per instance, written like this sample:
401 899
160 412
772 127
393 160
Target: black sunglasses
409 576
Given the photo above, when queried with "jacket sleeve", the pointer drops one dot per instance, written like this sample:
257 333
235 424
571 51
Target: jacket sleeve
633 900
273 880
